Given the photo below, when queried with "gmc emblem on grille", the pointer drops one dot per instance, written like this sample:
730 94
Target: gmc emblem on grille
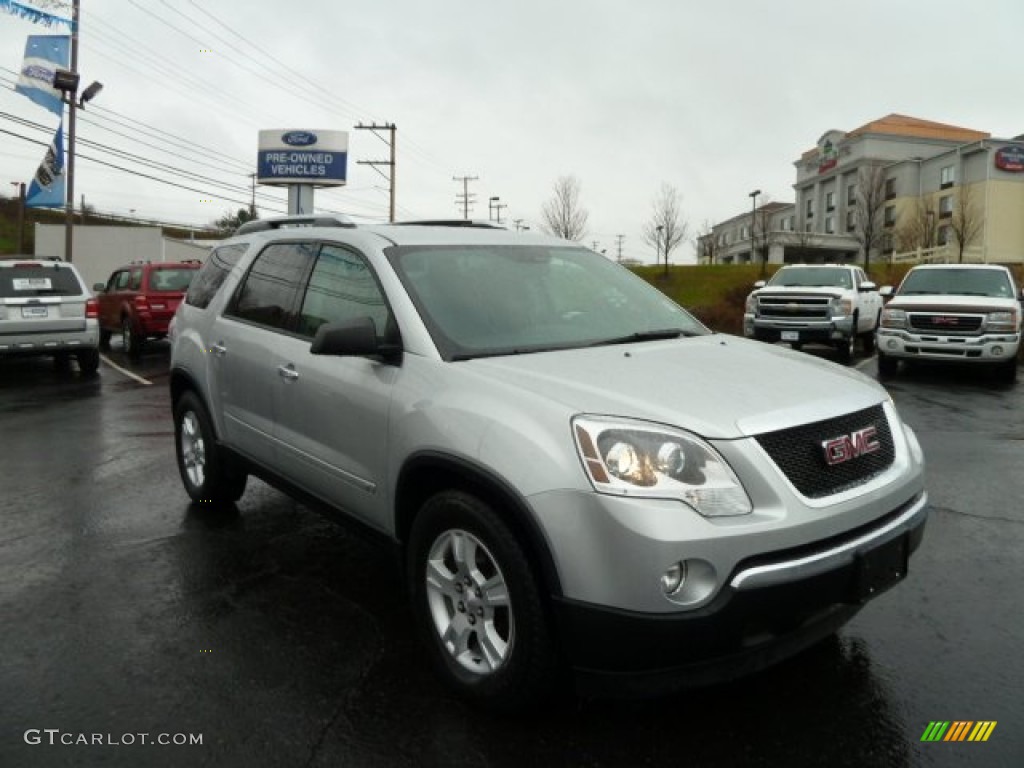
941 320
839 450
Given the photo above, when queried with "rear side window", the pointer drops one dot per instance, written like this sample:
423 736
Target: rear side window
269 295
29 281
204 286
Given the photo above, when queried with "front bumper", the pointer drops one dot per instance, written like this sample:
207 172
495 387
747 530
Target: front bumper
988 348
772 607
817 331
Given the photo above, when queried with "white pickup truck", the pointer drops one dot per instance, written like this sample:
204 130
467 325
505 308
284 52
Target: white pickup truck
955 313
830 304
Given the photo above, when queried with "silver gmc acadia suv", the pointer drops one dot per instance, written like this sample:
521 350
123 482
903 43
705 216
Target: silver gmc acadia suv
576 472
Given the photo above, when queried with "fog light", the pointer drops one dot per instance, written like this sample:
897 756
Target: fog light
673 579
891 344
997 351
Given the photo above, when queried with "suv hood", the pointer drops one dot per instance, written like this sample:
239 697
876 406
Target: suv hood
716 386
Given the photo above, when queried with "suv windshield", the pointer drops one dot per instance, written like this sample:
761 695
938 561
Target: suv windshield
812 277
957 282
500 299
37 280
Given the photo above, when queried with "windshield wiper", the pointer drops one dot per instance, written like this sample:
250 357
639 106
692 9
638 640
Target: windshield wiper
664 333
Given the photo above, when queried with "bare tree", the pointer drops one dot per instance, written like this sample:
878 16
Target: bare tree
918 230
666 228
709 250
869 231
562 215
763 236
967 220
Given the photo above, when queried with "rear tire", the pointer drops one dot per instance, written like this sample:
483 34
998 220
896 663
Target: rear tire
845 349
88 361
130 339
207 474
104 338
478 605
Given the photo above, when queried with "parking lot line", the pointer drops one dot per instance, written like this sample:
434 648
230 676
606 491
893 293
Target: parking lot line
127 373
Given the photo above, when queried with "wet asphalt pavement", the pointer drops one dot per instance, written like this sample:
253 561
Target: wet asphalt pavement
284 640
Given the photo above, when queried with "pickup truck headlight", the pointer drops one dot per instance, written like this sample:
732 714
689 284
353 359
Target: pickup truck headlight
751 304
1002 322
842 307
893 318
635 458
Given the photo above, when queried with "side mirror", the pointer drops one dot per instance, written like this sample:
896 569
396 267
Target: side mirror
867 286
99 287
885 291
760 284
353 338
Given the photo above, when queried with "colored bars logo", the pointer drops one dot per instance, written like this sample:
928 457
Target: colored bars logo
958 730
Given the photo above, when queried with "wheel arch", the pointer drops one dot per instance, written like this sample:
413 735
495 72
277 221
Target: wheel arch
427 473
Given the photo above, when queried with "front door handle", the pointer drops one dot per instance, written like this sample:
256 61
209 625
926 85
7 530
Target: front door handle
219 350
287 372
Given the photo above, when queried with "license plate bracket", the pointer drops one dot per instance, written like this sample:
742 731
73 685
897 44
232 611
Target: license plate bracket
790 335
34 312
880 568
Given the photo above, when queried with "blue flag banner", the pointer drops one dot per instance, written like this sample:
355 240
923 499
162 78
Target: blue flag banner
43 55
34 14
47 188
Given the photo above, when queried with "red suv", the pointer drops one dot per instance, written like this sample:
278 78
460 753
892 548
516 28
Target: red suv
139 300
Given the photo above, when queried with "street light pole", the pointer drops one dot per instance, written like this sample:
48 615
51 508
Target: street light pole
753 221
69 207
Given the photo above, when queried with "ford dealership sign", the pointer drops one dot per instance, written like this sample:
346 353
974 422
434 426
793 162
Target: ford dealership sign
319 158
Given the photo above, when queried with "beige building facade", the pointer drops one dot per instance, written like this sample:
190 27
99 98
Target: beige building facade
912 189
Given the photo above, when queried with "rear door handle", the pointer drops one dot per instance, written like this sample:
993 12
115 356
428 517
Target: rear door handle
287 372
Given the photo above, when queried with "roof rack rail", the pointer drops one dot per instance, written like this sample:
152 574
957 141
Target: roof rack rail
285 222
450 223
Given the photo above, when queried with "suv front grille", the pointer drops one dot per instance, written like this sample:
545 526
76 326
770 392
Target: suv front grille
795 307
938 322
799 452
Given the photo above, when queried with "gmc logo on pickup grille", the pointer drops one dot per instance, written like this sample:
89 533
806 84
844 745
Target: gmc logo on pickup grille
945 320
839 450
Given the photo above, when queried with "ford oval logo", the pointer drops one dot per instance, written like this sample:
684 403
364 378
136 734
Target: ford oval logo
299 138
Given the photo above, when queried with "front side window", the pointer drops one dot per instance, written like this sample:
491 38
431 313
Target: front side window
485 300
269 294
120 280
204 286
135 282
341 288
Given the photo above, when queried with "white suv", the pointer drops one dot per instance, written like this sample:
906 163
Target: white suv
957 313
573 469
45 309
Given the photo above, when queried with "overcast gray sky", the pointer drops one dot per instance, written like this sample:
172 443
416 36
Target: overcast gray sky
714 98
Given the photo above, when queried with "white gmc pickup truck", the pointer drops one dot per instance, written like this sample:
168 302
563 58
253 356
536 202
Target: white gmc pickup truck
959 313
830 304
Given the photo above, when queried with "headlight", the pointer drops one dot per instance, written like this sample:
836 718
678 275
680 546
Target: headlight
1002 322
636 458
893 318
751 304
842 307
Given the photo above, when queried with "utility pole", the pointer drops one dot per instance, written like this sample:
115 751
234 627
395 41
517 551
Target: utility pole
619 239
390 176
497 210
21 216
464 198
518 224
252 205
69 160
595 244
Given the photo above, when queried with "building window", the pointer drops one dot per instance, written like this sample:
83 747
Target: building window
851 194
851 221
887 243
792 223
807 227
890 189
830 201
743 232
943 234
830 226
810 208
945 206
890 215
947 176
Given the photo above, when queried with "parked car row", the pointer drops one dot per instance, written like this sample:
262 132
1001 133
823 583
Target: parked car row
952 313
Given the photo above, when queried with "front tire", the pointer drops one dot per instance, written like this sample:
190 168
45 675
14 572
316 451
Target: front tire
887 365
207 475
478 605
